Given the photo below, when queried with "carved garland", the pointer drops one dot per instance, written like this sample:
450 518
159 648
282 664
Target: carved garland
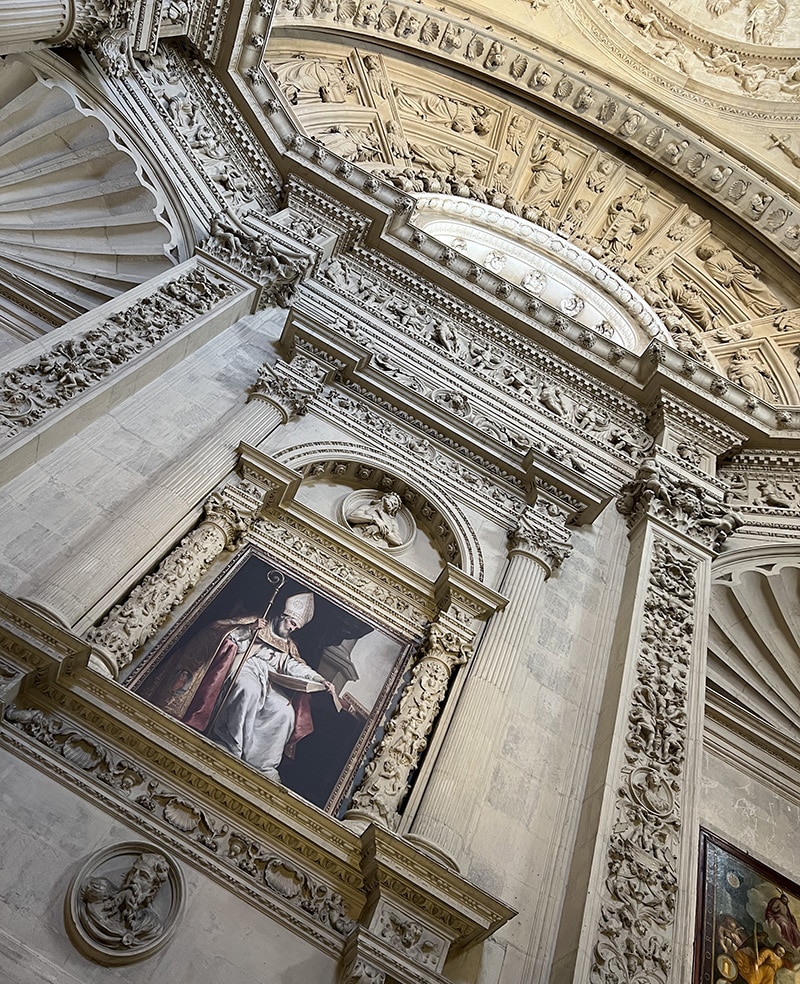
131 623
387 777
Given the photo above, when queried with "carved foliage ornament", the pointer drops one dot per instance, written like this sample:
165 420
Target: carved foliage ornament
387 777
641 884
124 903
32 391
131 623
684 505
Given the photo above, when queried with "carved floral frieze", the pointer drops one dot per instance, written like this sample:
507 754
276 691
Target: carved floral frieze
31 392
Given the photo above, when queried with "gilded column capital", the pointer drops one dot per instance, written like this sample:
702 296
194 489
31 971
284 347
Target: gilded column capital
290 386
685 504
541 533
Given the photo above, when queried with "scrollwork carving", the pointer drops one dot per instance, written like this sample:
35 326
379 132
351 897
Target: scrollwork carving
540 532
290 386
641 881
275 266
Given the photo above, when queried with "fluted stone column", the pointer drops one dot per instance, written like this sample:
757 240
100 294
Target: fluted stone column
388 774
537 545
25 22
280 393
26 25
629 911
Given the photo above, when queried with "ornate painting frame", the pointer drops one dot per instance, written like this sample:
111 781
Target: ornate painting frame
748 919
333 642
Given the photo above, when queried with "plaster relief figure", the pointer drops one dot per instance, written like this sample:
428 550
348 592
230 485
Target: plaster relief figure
550 172
740 278
120 916
123 904
376 520
626 220
747 373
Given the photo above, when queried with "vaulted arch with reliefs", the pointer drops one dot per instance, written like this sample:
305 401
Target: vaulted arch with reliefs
450 532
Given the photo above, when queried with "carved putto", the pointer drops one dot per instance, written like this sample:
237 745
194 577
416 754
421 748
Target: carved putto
380 518
123 904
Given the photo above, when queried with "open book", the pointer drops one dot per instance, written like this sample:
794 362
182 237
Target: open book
301 686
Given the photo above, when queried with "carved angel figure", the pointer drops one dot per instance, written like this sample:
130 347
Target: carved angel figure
375 520
741 279
550 172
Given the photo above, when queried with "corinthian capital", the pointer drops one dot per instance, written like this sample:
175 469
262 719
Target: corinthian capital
541 532
290 386
684 504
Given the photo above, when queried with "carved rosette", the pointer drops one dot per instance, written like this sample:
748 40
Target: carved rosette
685 505
541 534
386 779
638 908
134 621
290 386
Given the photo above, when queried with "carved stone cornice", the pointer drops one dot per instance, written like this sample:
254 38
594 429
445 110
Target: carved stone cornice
541 534
690 433
130 624
31 392
687 505
290 386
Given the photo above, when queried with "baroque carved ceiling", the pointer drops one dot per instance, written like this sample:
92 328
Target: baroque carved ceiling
435 133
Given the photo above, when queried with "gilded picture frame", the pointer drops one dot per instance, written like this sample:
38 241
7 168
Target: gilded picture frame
748 923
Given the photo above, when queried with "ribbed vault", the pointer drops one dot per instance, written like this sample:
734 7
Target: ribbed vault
78 224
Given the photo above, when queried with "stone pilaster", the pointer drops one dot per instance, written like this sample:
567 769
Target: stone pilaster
387 777
635 857
75 590
537 546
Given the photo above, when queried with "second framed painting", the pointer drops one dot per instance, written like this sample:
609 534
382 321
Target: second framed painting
748 926
279 674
